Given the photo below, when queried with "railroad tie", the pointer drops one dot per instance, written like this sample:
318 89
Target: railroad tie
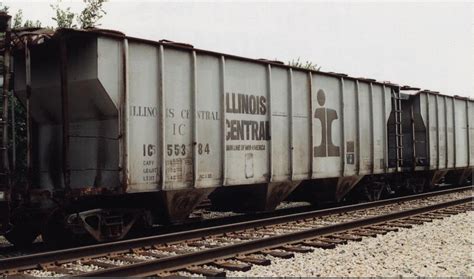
99 264
364 233
435 216
319 244
383 228
62 270
411 221
375 230
221 239
305 226
195 243
166 274
203 243
278 254
136 250
46 266
296 248
205 271
126 259
328 239
20 275
400 225
151 254
232 266
440 213
421 219
268 232
347 237
254 260
449 211
170 249
244 236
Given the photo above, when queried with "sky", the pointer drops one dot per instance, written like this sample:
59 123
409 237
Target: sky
423 44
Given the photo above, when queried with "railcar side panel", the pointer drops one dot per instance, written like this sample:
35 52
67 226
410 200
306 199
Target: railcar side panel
302 145
247 122
209 113
365 133
471 131
450 128
460 128
433 131
350 128
109 66
379 126
387 105
143 118
442 132
177 93
280 104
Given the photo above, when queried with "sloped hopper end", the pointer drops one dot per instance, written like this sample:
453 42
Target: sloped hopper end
251 198
93 95
93 80
88 101
175 206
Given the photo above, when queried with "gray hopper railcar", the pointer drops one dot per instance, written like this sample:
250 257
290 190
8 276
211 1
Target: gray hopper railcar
125 131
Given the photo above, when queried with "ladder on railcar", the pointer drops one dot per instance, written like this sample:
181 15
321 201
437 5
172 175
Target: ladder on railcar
398 128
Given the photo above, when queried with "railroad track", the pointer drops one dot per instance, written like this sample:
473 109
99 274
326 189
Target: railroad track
195 222
202 217
211 251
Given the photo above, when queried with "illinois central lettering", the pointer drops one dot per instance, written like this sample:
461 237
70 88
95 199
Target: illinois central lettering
245 104
237 129
143 111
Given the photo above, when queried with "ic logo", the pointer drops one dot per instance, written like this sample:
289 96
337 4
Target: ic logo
326 116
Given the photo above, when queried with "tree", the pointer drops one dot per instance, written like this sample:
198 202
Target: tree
18 21
92 13
87 18
4 8
305 65
64 17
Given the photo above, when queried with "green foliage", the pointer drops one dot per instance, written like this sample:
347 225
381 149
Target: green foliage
92 13
30 23
87 18
64 17
18 21
4 8
305 65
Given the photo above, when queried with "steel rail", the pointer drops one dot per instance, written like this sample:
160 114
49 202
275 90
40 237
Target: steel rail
173 263
197 223
34 260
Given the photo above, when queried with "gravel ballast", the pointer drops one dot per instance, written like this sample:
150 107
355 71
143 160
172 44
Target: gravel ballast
440 248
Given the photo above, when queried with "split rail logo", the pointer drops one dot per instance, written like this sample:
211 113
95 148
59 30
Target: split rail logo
326 116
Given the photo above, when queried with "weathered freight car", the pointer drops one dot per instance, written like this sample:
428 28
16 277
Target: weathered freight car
126 131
